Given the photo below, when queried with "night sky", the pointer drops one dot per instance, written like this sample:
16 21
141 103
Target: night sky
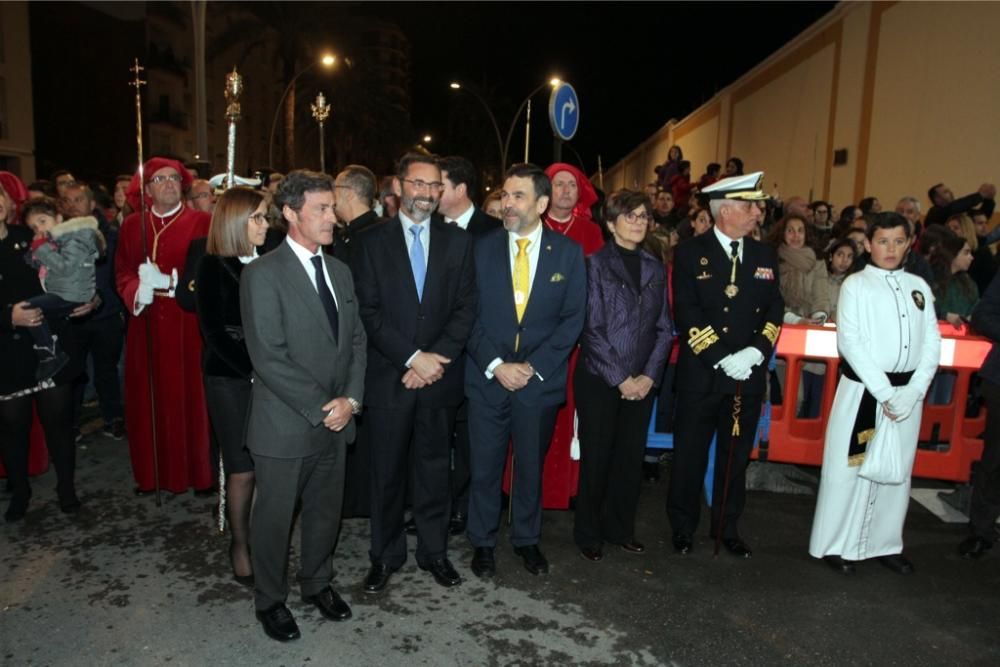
633 65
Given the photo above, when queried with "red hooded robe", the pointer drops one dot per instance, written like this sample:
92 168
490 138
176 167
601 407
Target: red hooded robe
562 473
175 363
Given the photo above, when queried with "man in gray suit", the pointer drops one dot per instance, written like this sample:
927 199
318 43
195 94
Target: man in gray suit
308 348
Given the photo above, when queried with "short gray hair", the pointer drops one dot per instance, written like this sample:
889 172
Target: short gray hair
910 200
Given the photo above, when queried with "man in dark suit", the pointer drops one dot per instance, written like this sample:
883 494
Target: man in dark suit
532 301
353 195
416 287
728 309
460 187
308 345
457 207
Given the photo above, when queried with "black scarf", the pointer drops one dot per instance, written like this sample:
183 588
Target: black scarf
864 421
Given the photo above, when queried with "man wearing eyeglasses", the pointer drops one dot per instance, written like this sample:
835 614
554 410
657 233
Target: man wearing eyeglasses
417 293
728 311
200 197
147 278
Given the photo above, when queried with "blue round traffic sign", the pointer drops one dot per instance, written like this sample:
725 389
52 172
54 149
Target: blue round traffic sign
564 111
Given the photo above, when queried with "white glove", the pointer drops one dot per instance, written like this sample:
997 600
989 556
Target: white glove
739 365
903 400
144 295
152 276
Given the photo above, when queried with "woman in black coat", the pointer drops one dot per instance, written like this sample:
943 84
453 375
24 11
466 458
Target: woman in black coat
239 226
20 393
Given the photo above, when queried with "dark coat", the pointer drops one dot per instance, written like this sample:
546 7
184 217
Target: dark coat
18 281
218 304
986 322
398 324
548 331
710 325
482 223
628 331
345 243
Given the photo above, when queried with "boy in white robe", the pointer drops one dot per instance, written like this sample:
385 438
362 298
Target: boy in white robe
887 335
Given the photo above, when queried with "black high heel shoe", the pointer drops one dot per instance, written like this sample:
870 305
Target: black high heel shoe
242 579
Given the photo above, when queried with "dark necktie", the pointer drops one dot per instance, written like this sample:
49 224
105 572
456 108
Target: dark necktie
325 296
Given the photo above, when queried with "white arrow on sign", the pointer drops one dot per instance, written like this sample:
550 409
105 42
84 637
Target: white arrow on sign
567 106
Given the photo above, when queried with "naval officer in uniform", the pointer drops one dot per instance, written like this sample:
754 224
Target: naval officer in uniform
728 311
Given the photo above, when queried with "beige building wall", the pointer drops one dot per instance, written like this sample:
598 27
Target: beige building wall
910 91
17 134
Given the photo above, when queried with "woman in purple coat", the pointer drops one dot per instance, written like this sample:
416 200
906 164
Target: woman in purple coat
625 344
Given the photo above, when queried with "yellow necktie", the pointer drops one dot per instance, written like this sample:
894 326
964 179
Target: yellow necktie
521 278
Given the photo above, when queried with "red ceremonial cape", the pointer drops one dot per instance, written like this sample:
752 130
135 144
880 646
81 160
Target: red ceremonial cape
181 416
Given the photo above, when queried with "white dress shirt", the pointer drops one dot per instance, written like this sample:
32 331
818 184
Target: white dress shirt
305 258
534 251
725 241
464 219
425 235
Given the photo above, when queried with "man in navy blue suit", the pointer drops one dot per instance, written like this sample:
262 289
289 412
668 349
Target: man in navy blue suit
532 304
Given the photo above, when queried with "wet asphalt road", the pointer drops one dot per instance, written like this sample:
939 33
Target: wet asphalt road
127 583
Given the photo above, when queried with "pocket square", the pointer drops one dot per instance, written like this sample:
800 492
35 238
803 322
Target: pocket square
557 278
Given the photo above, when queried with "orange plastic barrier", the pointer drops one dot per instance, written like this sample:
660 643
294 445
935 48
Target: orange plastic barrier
953 436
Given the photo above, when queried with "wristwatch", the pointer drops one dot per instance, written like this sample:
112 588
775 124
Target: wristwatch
355 406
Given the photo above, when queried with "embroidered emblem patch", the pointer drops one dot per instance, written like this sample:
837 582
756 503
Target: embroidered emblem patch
764 273
918 298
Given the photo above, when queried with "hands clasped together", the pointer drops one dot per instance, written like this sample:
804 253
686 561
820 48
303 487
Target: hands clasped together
739 365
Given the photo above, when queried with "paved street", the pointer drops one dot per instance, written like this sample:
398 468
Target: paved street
127 583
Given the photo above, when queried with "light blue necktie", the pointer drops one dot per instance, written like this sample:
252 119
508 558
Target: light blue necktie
417 262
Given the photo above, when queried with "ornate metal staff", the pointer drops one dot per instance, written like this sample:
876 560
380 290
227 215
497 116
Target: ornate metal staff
321 111
737 409
234 88
138 83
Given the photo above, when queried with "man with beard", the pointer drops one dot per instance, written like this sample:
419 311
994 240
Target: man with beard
532 304
147 279
417 294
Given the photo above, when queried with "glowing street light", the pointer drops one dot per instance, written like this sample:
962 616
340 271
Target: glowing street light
327 60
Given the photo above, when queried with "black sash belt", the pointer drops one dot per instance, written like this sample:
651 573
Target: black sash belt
864 421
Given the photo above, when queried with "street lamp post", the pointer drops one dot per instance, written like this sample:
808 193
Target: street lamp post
527 100
326 61
321 111
496 128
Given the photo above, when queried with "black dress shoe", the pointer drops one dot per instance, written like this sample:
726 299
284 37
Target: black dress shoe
974 547
410 526
17 508
682 544
651 471
457 524
484 563
378 577
534 560
898 563
142 493
737 547
244 580
279 623
593 554
70 504
838 564
443 571
331 605
632 547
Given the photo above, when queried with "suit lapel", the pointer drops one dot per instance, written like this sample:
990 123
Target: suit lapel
344 300
506 275
543 272
303 286
436 260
